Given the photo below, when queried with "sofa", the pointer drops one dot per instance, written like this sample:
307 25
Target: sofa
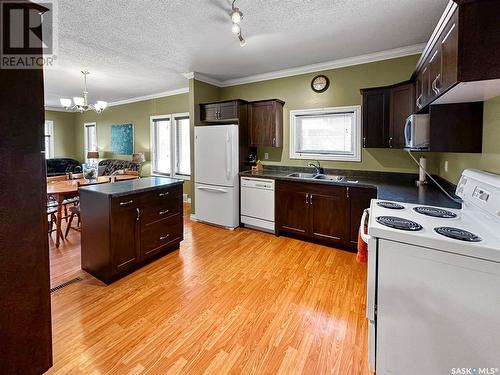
108 166
61 166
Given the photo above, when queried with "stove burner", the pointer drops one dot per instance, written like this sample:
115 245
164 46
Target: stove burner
398 223
435 212
457 234
391 205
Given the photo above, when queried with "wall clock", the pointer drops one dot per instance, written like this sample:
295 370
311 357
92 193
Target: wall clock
320 83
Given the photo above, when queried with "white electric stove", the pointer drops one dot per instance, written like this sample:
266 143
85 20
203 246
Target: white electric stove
433 297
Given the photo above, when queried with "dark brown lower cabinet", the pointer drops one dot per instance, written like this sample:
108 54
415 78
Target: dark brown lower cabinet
292 208
119 234
359 200
328 214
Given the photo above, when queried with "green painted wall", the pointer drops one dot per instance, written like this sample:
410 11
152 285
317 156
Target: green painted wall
489 160
64 134
345 84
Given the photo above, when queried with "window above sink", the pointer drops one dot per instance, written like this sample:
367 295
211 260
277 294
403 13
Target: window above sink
326 134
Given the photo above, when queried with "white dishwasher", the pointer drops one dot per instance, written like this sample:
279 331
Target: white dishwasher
257 203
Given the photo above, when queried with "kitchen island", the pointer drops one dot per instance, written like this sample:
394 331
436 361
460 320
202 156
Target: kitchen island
126 224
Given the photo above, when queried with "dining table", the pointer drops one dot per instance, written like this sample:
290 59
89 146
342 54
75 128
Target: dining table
66 189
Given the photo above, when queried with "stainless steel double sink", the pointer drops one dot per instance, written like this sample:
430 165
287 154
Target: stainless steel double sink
317 176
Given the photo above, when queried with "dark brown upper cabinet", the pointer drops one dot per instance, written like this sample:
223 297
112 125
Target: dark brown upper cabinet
461 55
385 110
456 127
375 117
401 106
265 123
223 111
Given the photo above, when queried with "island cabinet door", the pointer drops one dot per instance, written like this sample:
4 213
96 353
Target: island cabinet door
125 237
329 215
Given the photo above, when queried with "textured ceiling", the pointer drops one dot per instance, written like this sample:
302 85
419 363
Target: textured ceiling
141 47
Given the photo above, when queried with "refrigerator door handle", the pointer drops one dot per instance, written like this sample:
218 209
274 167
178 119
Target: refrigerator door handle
229 166
210 189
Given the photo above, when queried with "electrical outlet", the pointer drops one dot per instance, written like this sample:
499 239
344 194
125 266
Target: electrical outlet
446 166
266 156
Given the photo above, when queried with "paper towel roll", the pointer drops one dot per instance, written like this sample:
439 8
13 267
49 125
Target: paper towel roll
421 172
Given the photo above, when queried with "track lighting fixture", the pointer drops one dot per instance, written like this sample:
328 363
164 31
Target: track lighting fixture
236 17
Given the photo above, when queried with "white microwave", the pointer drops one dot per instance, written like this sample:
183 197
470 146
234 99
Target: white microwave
417 132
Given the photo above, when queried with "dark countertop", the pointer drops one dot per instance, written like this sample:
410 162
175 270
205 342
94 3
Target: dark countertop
398 187
140 185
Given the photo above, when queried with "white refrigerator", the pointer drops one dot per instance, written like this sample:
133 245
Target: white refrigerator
216 175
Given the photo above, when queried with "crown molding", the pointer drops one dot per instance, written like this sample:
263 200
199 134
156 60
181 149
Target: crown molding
328 65
203 78
183 90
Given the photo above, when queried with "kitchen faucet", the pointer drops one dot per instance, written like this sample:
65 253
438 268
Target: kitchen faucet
318 168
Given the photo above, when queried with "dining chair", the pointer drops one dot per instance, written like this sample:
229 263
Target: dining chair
51 216
75 211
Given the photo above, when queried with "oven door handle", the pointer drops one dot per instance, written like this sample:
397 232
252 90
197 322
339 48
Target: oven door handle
365 236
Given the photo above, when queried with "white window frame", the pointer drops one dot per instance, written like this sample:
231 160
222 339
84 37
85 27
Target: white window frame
86 141
49 154
173 144
356 134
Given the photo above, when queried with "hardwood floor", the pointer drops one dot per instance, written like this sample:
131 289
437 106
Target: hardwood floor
241 302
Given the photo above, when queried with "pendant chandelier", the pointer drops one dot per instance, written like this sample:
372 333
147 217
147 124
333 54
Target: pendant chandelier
81 103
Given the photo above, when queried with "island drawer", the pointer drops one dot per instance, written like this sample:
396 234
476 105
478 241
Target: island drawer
125 202
159 234
164 194
160 211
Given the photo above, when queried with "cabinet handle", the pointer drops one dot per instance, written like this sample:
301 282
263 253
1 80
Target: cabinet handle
311 199
164 237
164 212
126 203
138 214
163 194
347 192
419 101
307 198
433 86
364 142
274 141
438 77
390 142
